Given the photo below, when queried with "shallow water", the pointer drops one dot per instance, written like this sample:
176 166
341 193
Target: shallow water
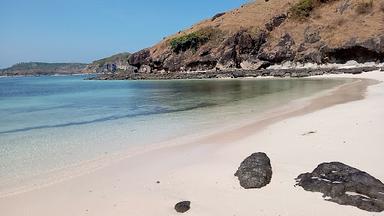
48 123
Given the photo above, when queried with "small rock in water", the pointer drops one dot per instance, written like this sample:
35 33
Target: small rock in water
345 185
183 206
255 171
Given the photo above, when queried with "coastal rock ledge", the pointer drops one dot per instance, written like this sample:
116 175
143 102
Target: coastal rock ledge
255 171
345 185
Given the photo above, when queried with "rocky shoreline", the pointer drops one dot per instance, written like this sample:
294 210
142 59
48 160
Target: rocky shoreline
239 73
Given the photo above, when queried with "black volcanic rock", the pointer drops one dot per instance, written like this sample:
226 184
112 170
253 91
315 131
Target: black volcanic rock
255 171
139 58
281 52
345 185
183 206
275 22
240 47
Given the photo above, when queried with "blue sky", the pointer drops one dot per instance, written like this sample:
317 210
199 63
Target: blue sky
85 30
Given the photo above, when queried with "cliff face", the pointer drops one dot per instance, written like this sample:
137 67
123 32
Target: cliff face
270 32
39 68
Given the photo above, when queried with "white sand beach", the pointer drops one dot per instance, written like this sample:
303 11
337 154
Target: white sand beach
202 170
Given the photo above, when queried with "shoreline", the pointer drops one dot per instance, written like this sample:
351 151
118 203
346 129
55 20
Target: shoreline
201 148
276 72
213 135
71 171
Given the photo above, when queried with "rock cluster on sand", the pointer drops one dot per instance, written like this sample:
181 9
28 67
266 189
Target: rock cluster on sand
255 171
345 185
183 206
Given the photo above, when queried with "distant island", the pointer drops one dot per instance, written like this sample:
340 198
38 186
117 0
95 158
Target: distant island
41 68
115 63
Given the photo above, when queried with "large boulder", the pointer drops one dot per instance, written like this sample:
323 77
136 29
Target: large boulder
255 171
345 185
183 206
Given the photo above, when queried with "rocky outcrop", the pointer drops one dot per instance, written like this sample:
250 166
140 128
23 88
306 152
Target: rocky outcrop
264 33
240 47
281 52
140 58
255 171
345 185
303 72
275 22
183 206
371 50
112 64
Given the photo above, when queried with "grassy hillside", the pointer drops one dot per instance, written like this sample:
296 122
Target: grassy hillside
115 58
269 32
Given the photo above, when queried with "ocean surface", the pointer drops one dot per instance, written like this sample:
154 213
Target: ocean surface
51 122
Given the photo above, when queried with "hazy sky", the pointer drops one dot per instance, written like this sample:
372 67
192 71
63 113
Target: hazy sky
85 30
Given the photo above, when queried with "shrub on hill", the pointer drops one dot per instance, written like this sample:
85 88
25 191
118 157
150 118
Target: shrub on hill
364 7
303 8
193 40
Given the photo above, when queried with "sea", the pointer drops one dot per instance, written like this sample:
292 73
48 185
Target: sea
49 123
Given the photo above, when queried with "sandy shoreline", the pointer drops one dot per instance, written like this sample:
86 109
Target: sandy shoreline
202 170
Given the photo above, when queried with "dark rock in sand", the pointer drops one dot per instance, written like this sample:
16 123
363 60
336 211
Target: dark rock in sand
255 171
345 185
183 206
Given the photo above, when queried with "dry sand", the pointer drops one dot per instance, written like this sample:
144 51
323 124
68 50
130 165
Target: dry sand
202 170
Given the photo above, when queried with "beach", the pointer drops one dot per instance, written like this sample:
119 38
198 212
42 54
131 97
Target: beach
346 126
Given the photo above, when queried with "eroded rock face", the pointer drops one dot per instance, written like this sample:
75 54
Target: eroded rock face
183 206
275 22
139 58
255 171
281 52
345 185
370 50
240 47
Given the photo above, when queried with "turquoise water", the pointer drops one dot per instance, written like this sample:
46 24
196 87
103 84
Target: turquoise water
48 123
